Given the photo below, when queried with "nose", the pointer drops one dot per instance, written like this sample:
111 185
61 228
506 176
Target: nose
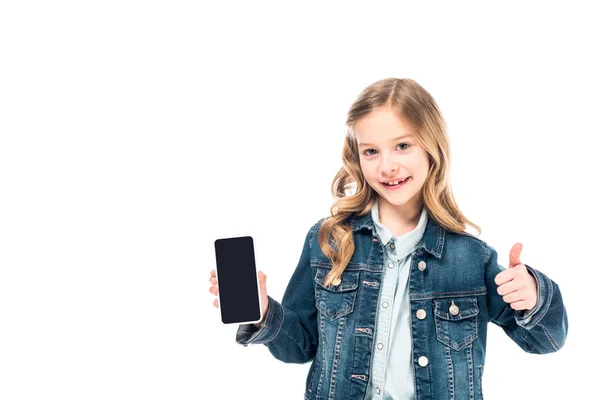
389 166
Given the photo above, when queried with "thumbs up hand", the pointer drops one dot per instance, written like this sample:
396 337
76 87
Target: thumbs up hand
516 285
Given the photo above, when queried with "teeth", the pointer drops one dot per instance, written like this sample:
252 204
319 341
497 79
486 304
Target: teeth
394 183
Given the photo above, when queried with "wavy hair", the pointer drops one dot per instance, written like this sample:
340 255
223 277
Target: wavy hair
353 196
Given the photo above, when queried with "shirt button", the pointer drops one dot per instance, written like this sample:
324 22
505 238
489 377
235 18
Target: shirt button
422 265
391 265
385 304
378 391
393 246
423 361
380 346
421 314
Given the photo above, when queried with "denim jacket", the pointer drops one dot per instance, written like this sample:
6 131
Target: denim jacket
451 278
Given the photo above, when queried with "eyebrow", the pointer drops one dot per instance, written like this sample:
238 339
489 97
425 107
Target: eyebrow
392 140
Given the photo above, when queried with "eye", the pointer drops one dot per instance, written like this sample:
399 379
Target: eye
366 152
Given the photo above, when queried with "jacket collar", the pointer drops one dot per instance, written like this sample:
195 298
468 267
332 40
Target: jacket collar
433 237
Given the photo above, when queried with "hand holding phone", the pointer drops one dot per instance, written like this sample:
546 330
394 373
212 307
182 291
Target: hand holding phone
242 297
262 283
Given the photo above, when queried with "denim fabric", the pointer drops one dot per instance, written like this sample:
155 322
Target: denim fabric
451 278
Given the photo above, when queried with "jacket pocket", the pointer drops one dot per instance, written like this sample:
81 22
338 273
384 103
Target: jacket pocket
335 301
456 321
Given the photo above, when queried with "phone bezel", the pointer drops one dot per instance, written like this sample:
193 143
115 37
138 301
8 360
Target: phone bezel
255 274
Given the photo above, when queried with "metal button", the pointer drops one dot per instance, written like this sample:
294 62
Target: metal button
337 281
391 265
385 304
378 391
393 246
423 361
421 314
422 265
380 346
453 309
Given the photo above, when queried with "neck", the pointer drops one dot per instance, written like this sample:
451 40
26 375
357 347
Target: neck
400 219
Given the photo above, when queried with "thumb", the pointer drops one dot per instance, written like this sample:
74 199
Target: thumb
515 253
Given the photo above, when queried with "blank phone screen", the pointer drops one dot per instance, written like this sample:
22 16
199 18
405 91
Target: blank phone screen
236 278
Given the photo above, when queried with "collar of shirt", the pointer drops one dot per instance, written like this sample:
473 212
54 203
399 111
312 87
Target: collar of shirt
405 243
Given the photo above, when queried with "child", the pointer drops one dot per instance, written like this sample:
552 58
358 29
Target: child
391 297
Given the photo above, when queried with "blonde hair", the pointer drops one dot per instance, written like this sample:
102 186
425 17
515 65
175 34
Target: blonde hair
412 102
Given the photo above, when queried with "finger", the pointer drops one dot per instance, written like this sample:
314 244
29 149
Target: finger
513 297
262 281
216 303
515 254
214 290
519 305
213 280
505 276
508 287
213 273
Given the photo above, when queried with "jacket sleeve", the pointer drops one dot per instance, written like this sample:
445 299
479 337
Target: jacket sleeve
540 330
289 329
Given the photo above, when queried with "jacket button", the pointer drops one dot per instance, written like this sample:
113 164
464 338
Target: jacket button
421 314
422 265
423 361
337 281
454 309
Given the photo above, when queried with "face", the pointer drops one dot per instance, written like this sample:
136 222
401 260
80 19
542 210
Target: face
389 152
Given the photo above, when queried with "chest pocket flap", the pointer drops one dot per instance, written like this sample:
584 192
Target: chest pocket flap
335 301
456 321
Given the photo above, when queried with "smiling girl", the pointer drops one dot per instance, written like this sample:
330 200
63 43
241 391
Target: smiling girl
391 298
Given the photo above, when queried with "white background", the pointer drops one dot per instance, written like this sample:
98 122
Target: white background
133 134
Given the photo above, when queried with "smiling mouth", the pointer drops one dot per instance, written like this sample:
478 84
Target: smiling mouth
395 183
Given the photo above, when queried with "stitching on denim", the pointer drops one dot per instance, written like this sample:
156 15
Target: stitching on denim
426 351
322 366
550 338
450 371
358 307
433 295
470 363
270 321
480 380
336 357
267 323
550 290
371 350
441 240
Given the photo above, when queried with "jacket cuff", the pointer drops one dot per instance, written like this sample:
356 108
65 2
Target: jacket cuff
529 318
250 334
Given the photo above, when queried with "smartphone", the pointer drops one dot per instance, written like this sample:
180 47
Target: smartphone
239 296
